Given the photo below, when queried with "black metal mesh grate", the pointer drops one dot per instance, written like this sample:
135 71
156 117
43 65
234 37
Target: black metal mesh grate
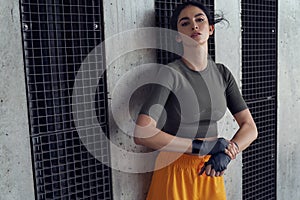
163 13
259 87
57 36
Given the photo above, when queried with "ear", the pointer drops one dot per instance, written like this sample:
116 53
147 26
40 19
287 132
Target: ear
178 38
211 29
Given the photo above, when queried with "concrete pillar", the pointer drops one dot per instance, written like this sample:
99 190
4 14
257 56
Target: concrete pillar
16 179
228 52
121 16
288 182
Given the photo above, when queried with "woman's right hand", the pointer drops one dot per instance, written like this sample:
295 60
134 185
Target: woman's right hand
232 150
209 171
216 165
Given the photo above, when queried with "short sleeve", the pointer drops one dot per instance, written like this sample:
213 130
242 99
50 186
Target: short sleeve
156 101
235 101
160 91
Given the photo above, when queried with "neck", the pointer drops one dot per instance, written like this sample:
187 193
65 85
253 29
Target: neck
196 57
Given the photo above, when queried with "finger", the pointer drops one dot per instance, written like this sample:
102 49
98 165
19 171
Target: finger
212 173
229 153
235 145
208 170
202 170
218 173
222 173
232 151
236 148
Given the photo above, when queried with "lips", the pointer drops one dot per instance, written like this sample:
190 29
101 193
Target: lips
196 34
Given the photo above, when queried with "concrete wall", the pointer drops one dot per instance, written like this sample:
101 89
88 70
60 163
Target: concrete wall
288 182
121 16
228 52
16 180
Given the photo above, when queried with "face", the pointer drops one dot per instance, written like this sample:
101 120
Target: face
193 23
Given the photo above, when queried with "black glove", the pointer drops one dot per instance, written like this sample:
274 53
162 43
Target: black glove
218 162
209 147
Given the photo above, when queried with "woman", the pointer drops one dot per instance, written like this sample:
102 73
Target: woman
202 156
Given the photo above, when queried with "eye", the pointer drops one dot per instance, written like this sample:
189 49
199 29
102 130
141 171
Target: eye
199 20
185 23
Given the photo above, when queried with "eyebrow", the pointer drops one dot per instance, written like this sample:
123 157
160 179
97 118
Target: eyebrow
186 18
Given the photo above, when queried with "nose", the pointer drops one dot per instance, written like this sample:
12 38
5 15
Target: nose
195 26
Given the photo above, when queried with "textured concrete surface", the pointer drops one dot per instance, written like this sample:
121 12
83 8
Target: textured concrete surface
228 36
288 182
120 16
16 180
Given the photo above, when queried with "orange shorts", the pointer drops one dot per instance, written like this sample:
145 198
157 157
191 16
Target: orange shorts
176 178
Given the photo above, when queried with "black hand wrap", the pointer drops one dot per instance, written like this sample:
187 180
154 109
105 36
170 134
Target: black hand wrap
209 147
218 161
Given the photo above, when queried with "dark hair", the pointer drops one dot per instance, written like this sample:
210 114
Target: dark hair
211 20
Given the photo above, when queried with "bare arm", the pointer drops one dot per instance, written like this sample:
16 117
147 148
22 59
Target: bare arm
247 132
147 134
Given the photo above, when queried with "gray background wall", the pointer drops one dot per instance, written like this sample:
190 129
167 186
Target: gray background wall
288 181
16 180
15 160
228 52
121 16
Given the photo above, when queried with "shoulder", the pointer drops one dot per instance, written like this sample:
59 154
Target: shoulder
175 64
222 68
175 68
178 73
226 73
167 75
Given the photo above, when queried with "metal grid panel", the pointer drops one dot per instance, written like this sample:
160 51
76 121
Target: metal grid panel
259 160
57 37
259 40
259 87
163 10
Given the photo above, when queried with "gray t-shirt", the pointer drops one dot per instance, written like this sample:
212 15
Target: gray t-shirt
189 103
